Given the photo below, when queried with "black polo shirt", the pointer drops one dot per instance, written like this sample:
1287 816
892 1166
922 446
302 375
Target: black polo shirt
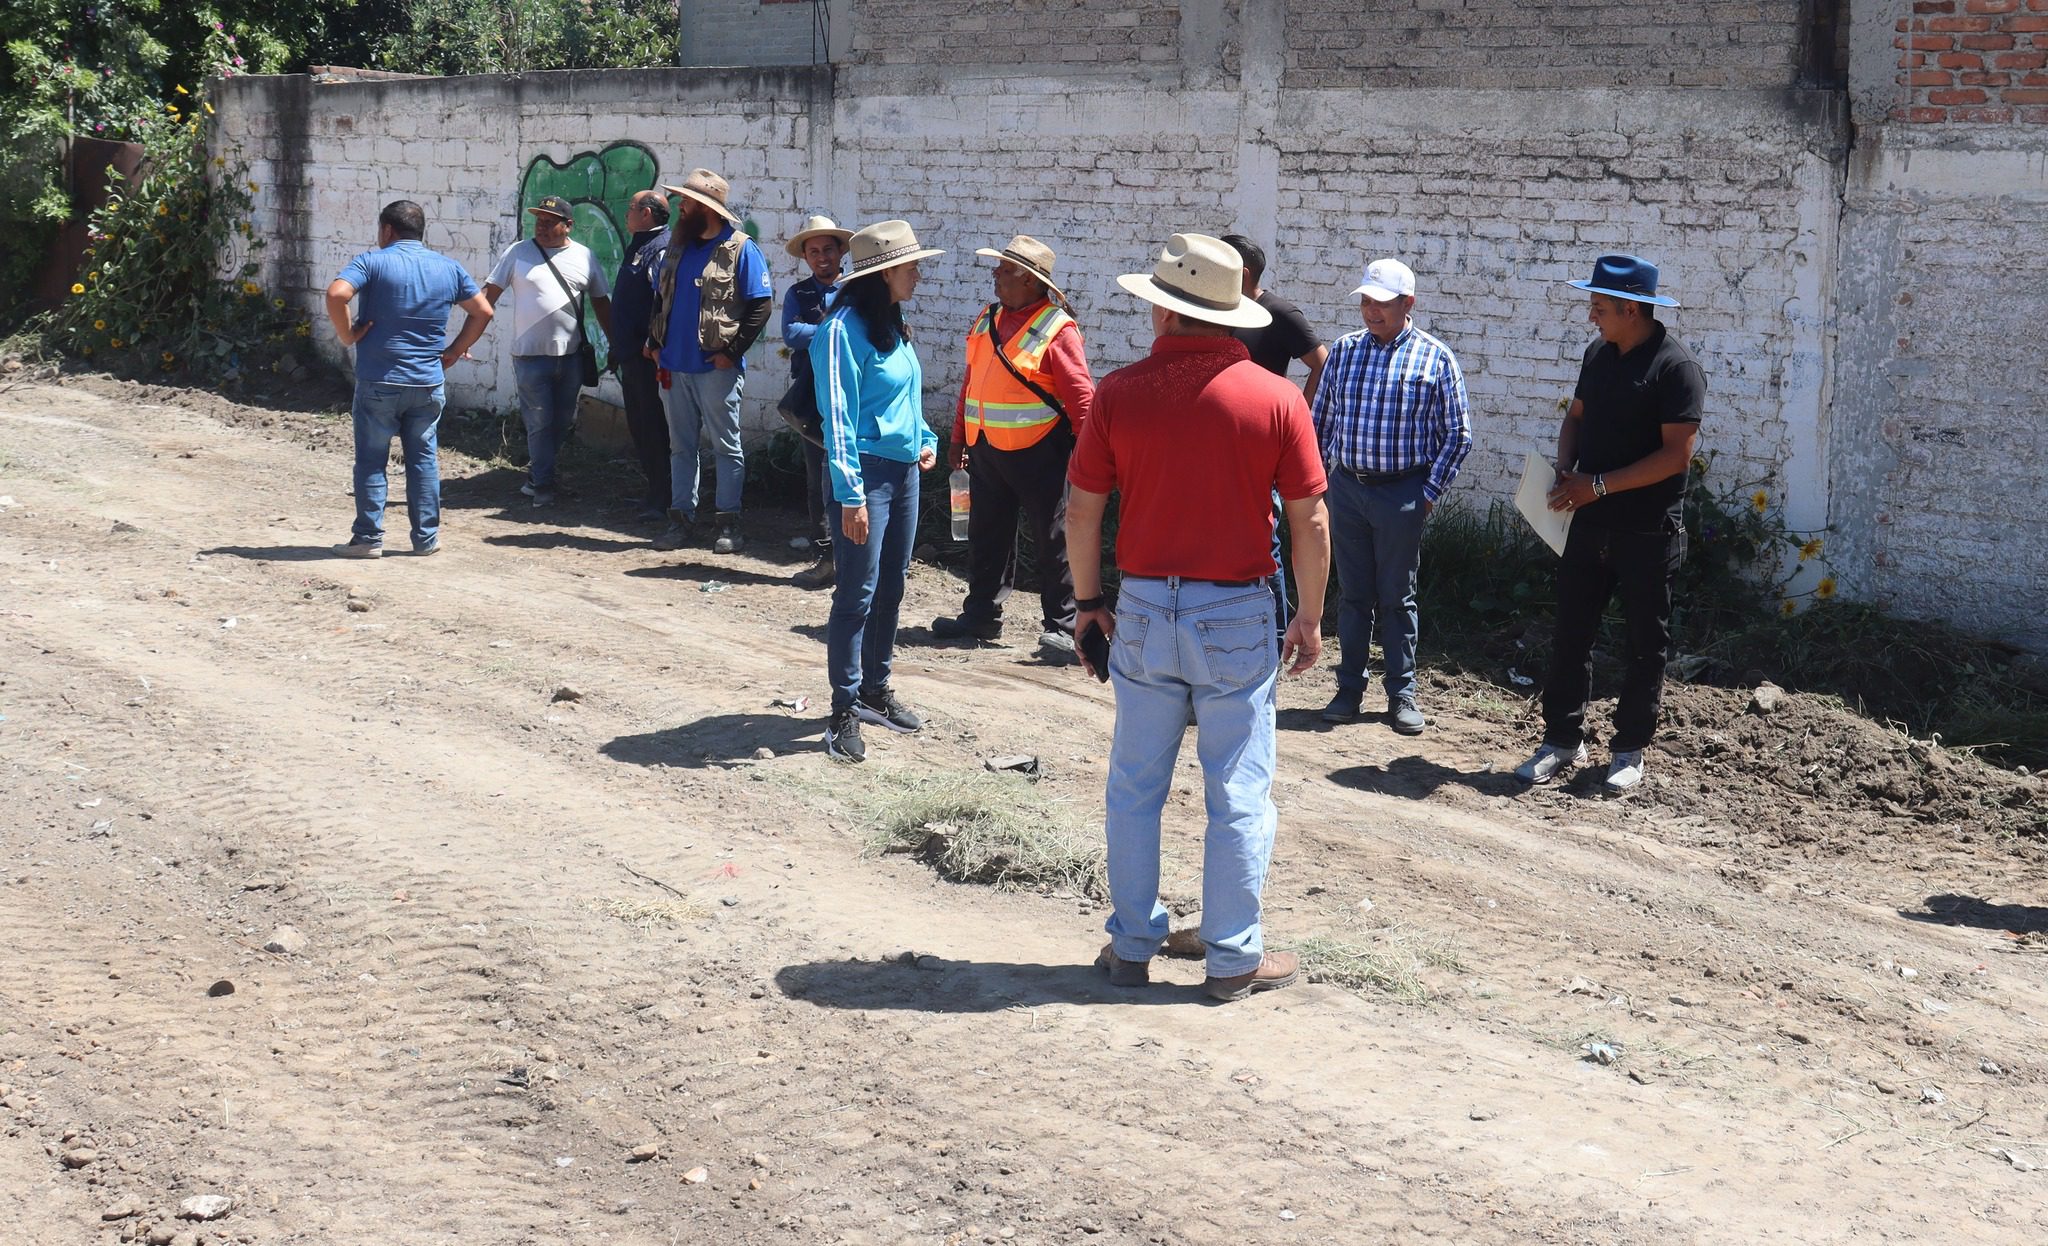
1287 339
1629 398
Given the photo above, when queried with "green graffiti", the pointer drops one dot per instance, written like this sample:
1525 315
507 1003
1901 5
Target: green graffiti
599 186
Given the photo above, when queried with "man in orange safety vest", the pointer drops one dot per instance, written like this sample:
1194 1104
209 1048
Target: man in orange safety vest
1023 402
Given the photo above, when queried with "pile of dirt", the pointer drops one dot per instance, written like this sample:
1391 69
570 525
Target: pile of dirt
1748 759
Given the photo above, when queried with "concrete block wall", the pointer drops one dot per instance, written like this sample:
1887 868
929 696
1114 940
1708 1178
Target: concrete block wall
1866 301
327 157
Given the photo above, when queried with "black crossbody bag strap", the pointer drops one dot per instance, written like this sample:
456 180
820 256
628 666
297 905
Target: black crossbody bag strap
580 337
1003 358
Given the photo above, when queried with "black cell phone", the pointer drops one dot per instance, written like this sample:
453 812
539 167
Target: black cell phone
1095 647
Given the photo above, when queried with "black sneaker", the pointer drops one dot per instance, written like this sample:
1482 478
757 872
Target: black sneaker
842 737
730 540
953 627
884 710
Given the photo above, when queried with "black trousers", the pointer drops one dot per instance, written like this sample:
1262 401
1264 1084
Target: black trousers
818 500
1006 483
647 422
1598 563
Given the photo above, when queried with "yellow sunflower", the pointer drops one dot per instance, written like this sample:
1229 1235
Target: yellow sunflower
1809 550
77 287
100 325
1760 500
1825 589
115 343
1788 608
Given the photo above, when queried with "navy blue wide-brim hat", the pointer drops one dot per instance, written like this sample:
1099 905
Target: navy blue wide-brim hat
1625 277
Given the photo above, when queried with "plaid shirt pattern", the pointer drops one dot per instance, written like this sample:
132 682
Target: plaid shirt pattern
1392 407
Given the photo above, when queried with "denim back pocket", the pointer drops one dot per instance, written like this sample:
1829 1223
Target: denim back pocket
1127 647
1237 652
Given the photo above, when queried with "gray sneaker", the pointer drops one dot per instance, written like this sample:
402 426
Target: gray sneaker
1054 640
1548 760
1405 718
360 549
1625 770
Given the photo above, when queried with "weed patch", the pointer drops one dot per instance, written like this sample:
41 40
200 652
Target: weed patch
1389 960
994 830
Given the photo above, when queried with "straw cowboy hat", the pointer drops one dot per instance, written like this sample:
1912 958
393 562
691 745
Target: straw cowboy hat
708 189
1202 278
1031 255
815 227
884 244
1625 277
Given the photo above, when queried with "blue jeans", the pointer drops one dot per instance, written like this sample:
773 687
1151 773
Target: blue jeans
860 635
1376 542
548 387
698 401
411 414
1188 651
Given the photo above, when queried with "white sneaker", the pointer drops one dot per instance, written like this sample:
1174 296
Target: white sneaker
1056 642
1549 759
1625 771
359 549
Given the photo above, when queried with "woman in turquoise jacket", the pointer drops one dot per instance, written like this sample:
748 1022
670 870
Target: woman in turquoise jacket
871 393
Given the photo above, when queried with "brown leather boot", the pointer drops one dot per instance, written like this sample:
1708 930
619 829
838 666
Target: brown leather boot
1123 972
1278 969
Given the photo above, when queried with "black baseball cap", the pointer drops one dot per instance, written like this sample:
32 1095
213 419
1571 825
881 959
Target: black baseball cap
554 205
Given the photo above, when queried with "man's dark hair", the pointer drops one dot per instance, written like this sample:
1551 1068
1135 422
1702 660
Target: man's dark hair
1254 257
869 298
405 218
657 207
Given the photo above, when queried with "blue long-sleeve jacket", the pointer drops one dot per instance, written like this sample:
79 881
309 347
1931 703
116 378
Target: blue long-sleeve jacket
872 403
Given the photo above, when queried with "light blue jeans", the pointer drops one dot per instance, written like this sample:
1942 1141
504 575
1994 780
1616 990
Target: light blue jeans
1190 651
548 388
697 401
410 413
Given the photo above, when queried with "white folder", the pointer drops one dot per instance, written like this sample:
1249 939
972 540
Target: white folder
1532 499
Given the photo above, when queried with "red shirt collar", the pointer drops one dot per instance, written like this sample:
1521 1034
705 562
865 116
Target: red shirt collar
1186 344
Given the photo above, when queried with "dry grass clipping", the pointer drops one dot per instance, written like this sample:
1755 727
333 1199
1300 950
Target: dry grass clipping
996 830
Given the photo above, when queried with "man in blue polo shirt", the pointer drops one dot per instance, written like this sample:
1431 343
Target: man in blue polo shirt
712 299
400 336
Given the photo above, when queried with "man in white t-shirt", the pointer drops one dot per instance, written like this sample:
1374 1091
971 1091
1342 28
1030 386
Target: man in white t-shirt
549 276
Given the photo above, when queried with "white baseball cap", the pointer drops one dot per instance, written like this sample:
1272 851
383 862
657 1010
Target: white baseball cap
1387 279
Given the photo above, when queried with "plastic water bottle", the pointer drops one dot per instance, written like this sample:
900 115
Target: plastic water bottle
961 492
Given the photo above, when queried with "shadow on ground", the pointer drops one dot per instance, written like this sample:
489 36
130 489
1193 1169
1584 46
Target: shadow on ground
1950 909
720 740
1415 777
934 984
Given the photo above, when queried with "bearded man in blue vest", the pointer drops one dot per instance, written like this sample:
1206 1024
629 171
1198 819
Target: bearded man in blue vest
712 298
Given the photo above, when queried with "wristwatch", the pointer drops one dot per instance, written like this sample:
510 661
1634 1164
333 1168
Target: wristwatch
1089 603
1599 485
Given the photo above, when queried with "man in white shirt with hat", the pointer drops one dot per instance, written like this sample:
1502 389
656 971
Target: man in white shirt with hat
1394 428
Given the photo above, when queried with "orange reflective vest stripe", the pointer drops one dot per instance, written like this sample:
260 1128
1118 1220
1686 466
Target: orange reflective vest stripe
997 404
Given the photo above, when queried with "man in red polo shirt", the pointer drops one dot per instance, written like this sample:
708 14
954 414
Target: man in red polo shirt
1196 438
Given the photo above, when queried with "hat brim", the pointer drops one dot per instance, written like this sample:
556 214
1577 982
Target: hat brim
1246 315
894 261
548 212
704 199
795 246
1379 294
1043 276
1656 300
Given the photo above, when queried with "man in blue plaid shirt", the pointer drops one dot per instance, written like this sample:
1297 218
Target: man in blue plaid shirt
1393 426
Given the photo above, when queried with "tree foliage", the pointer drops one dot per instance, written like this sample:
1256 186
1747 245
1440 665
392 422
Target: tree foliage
514 36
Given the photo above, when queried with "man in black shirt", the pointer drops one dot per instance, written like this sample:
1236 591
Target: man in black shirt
632 304
1273 346
1622 458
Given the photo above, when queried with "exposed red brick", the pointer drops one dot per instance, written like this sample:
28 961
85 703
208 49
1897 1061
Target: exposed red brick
1992 6
1934 6
1986 43
2037 6
1930 78
1960 60
1938 43
1912 60
2024 24
1976 78
1972 95
2021 60
2020 95
2035 79
1982 116
1922 113
1967 24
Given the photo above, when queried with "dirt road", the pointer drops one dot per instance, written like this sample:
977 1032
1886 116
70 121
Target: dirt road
540 934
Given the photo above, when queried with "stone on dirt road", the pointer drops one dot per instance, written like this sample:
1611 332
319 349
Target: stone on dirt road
644 1152
566 693
1767 697
123 1209
205 1207
286 941
81 1157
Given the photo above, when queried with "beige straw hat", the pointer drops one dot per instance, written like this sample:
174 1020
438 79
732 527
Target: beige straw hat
884 244
1029 254
1202 278
815 226
708 189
